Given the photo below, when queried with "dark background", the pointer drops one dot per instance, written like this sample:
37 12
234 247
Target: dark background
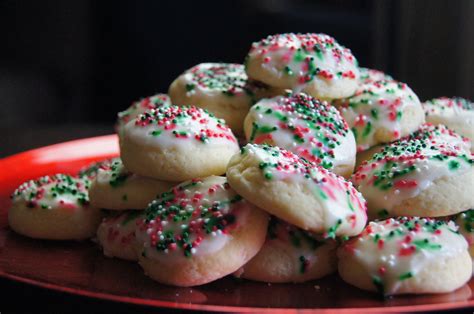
67 67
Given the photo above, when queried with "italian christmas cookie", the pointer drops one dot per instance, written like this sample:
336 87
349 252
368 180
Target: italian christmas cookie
139 107
313 63
406 256
417 178
297 191
381 112
465 221
456 113
116 234
198 232
221 88
114 187
175 143
433 135
306 126
55 208
291 254
371 75
90 171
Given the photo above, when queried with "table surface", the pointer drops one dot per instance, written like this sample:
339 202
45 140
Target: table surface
39 299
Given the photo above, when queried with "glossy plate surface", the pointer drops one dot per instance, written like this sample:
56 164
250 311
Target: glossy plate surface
80 268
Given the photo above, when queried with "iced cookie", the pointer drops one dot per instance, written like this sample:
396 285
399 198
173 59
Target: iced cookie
465 222
54 207
90 171
198 232
456 113
371 75
297 191
116 234
381 112
139 107
312 63
175 143
306 126
417 178
114 187
291 254
406 256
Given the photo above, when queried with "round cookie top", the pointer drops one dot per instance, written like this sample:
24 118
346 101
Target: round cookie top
90 171
223 78
195 218
302 242
178 126
113 172
465 221
304 125
344 208
52 192
404 169
376 105
301 58
141 106
445 106
370 75
396 249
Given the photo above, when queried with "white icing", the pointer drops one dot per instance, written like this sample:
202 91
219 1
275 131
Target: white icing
371 75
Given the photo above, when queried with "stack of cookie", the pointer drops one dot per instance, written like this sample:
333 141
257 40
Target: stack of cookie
249 170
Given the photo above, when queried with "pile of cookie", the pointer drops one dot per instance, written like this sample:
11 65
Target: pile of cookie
249 170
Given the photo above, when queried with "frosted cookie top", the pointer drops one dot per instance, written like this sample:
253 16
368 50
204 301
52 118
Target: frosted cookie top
465 221
343 206
113 172
90 171
141 106
175 126
403 169
396 249
371 75
304 125
377 105
53 192
222 78
302 58
194 218
447 106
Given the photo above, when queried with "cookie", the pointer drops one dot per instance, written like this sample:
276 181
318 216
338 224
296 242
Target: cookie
371 75
406 256
175 144
465 221
308 127
297 191
200 231
55 208
114 187
291 254
381 112
312 63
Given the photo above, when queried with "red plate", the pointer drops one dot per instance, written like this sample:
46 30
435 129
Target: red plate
80 268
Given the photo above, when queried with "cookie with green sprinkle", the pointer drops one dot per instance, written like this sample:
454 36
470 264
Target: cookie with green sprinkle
54 207
371 75
465 221
406 256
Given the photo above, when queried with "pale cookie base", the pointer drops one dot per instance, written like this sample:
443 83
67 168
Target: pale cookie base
278 262
318 88
54 224
246 241
441 275
135 193
176 165
232 109
446 196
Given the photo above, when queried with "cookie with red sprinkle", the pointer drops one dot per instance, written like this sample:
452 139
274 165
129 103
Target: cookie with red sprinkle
177 143
381 112
198 232
422 176
406 256
371 75
313 63
54 207
291 254
139 107
297 191
114 187
456 113
308 127
116 234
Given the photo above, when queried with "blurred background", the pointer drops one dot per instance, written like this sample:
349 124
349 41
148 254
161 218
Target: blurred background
67 67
